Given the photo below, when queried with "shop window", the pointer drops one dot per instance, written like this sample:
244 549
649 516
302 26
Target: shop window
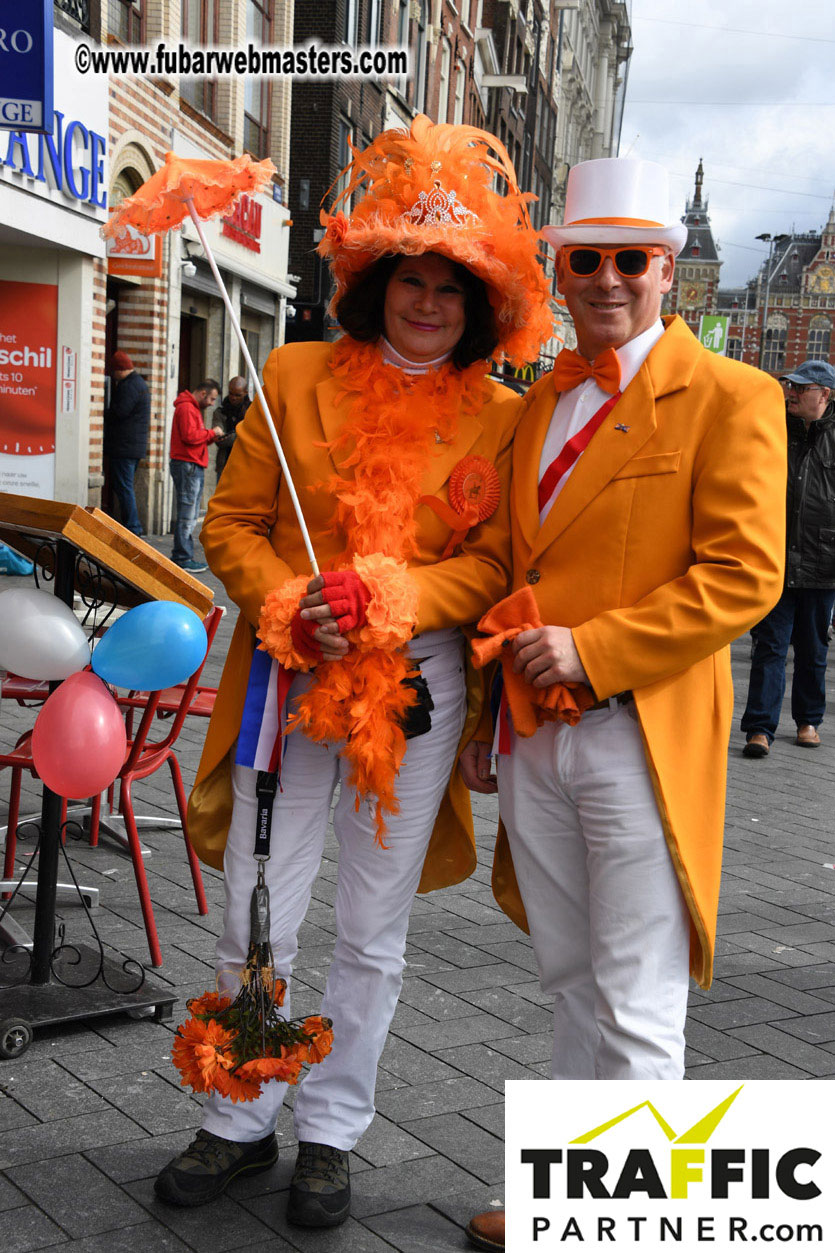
200 28
126 20
257 90
820 339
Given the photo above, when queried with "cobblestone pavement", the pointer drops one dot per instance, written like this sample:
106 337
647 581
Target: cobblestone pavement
93 1110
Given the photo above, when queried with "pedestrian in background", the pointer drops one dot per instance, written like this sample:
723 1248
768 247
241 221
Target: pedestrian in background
126 422
229 412
803 613
190 441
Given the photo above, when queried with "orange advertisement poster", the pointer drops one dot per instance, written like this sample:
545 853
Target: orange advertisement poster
28 373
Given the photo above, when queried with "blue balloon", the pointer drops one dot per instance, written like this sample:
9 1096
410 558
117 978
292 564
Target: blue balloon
153 646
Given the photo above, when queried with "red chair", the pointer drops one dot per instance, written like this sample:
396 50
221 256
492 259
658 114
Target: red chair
143 758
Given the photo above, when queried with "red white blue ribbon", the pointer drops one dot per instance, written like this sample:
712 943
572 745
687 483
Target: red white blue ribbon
264 720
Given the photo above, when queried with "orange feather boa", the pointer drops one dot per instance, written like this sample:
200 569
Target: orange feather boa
383 451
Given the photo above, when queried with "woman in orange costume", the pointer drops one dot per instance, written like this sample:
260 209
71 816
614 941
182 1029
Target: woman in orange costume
400 445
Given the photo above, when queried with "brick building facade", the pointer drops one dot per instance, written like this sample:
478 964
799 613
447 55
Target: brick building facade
163 310
785 315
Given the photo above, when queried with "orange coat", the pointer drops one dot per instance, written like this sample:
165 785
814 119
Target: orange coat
253 544
666 543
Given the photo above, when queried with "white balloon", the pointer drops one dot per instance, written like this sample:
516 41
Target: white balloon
40 636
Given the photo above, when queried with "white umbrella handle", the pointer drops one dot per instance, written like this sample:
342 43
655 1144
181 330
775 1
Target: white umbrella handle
259 391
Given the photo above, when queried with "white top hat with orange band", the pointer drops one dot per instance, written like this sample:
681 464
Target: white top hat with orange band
617 200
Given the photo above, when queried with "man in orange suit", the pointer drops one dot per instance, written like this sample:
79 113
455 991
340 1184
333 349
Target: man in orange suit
647 519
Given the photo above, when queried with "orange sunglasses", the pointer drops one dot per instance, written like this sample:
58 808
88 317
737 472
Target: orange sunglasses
632 262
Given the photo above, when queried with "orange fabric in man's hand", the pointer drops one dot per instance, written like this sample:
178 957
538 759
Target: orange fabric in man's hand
529 706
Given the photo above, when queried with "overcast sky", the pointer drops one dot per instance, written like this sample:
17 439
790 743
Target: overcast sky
750 88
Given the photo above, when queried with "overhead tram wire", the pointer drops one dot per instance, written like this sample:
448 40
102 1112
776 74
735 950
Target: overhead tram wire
736 30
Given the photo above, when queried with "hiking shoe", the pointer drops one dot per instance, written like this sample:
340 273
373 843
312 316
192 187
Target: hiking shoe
209 1164
194 567
320 1191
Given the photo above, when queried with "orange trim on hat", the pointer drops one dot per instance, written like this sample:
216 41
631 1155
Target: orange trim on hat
614 222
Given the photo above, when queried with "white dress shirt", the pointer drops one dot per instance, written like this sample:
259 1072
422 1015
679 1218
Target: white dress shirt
574 409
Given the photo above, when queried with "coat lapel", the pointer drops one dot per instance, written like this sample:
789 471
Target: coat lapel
668 368
527 452
607 452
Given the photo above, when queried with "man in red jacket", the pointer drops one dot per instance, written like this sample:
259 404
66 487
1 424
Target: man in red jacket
190 441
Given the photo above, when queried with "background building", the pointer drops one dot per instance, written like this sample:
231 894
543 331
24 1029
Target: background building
785 314
172 322
546 77
154 299
779 318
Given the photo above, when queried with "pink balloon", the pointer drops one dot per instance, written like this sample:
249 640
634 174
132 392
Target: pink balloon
79 741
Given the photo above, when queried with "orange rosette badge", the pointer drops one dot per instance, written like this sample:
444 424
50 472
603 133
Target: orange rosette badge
474 488
474 493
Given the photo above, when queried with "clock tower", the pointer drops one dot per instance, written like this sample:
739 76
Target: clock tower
696 280
819 279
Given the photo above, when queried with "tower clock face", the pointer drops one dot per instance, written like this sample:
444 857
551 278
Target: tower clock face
822 279
692 293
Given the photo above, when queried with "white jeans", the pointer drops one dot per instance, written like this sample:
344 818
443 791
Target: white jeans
374 894
608 921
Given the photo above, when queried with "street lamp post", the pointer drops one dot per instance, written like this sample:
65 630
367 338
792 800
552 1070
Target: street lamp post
771 240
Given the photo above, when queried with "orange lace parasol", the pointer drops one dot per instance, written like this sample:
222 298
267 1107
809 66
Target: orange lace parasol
211 187
191 187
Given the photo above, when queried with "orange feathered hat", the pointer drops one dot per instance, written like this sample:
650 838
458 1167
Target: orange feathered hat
431 189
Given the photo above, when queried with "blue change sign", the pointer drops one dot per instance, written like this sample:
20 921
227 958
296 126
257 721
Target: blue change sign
26 65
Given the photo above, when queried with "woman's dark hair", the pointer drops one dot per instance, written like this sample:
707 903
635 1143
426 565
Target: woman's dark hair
360 311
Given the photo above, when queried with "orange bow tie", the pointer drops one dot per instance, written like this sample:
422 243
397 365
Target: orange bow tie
570 370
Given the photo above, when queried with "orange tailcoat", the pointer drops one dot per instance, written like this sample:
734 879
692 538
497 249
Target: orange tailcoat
253 544
666 544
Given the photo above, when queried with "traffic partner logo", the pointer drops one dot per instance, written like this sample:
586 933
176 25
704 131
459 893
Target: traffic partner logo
686 1166
589 1172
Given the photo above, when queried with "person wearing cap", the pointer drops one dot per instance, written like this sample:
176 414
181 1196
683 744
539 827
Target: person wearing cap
646 534
126 422
399 443
803 613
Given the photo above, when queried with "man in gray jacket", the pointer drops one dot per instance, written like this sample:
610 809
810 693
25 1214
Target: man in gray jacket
803 613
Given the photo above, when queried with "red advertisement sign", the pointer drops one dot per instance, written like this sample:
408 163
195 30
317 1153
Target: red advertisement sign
28 371
244 224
